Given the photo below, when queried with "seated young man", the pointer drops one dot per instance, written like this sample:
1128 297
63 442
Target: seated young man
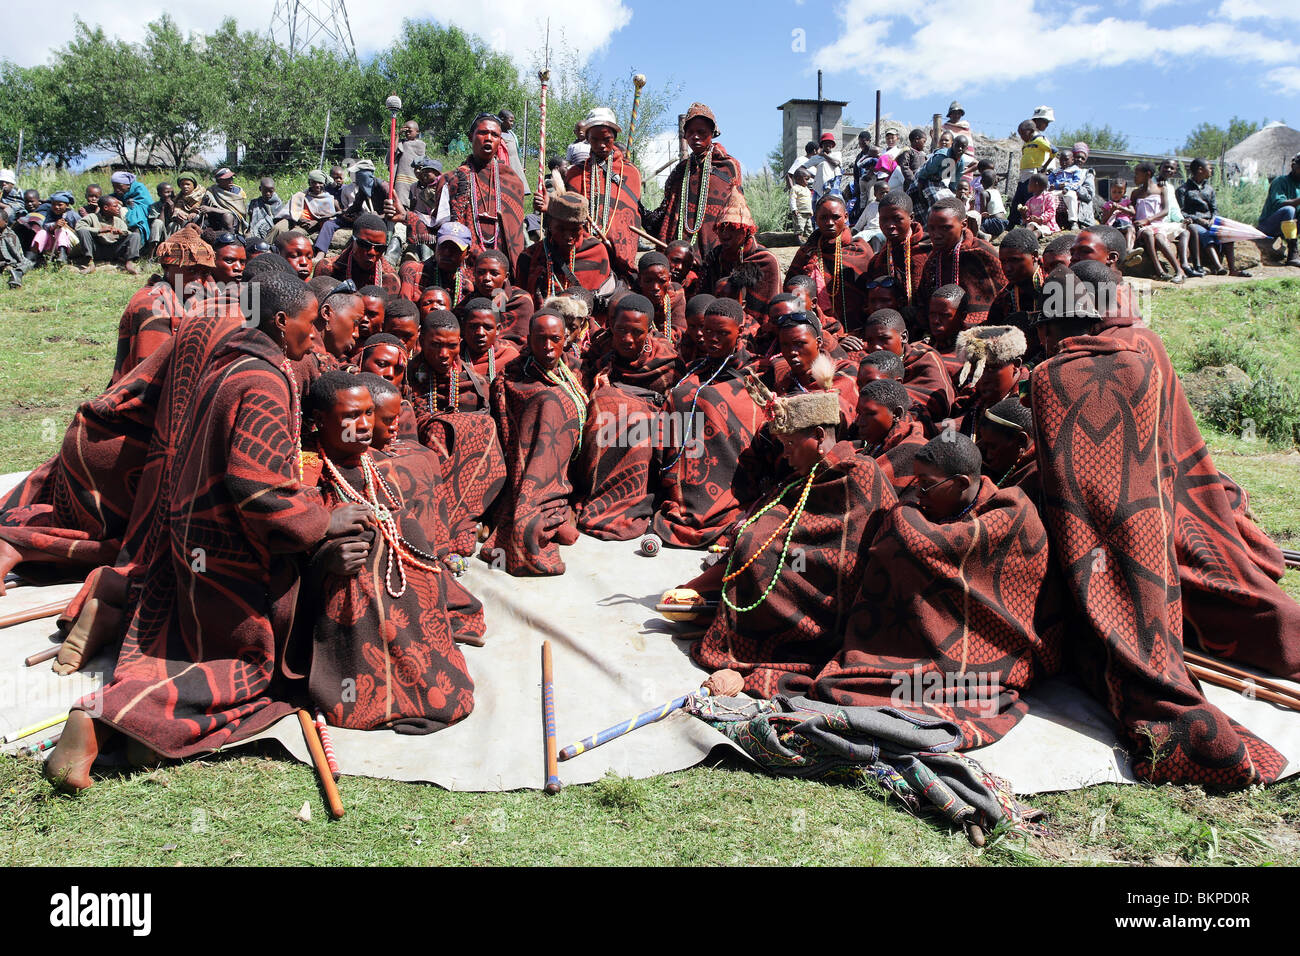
803 366
105 237
780 615
901 260
1017 303
690 348
992 365
628 374
382 355
156 310
199 661
481 343
1228 568
958 258
887 430
450 268
402 319
334 333
566 257
439 379
1006 443
492 282
704 484
362 259
925 376
685 270
946 316
295 249
1103 419
837 261
738 267
957 615
541 410
654 281
383 649
877 365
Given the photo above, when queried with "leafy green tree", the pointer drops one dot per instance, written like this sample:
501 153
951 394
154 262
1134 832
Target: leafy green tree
102 84
181 94
1209 140
1097 137
445 78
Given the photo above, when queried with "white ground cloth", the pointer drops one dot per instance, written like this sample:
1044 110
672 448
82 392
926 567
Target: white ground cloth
614 658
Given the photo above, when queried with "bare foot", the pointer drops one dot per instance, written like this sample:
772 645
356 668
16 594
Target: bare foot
98 624
9 558
68 767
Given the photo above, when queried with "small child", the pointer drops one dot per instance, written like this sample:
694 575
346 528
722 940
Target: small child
993 210
1039 210
868 225
1119 213
12 259
801 203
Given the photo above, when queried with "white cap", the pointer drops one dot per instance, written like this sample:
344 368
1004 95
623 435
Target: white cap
7 176
602 116
1045 112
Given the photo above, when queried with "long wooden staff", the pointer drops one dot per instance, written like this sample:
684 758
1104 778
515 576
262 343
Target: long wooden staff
544 76
1250 688
394 104
1292 558
659 243
638 81
553 784
627 726
53 609
317 749
1213 663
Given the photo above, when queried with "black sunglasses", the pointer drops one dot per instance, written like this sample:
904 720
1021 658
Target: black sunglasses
347 286
367 244
226 239
793 318
886 283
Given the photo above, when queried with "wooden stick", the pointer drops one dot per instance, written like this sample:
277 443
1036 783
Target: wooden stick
53 609
1213 663
1240 686
627 726
36 728
48 744
327 745
40 658
645 235
322 765
1291 558
553 784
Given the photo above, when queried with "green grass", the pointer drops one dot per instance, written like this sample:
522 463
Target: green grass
57 337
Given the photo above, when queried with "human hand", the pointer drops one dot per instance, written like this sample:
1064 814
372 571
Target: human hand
345 556
348 519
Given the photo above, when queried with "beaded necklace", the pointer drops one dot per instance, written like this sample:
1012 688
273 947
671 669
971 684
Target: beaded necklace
568 383
835 287
453 390
791 521
553 287
496 211
347 272
1036 280
599 209
690 418
400 551
295 413
666 302
456 284
700 198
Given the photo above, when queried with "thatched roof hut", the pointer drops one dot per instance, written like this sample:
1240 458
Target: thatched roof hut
1264 154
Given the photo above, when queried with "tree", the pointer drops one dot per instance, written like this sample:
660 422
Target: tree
1209 141
776 161
445 78
1097 137
101 91
181 95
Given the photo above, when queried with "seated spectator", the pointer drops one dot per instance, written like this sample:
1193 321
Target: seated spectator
1165 177
136 200
29 218
1152 222
909 162
308 210
12 259
9 194
1197 201
1088 191
1118 213
992 208
265 210
1035 157
938 178
168 215
1278 217
1039 209
105 237
55 236
868 225
93 194
224 205
1065 183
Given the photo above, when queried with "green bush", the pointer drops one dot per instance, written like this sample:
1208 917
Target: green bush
1221 348
769 203
1241 202
1267 409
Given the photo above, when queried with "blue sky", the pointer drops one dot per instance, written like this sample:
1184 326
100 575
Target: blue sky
1150 68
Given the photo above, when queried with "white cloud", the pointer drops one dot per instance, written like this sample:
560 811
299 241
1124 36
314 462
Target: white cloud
1258 10
1288 78
516 27
1146 6
928 56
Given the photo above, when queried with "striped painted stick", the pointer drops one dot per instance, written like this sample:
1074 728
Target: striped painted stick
627 726
327 745
48 744
543 76
553 784
309 734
